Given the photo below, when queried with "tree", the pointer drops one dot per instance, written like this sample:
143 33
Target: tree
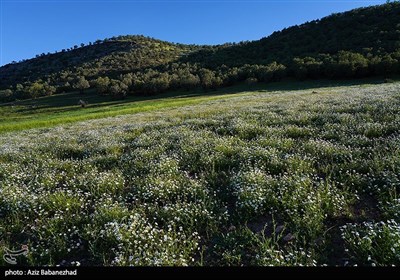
102 84
48 89
118 89
8 92
216 83
19 88
127 79
156 84
81 84
350 65
186 80
277 70
387 65
4 94
251 81
35 90
300 68
206 78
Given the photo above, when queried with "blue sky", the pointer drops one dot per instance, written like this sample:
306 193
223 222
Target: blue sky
30 27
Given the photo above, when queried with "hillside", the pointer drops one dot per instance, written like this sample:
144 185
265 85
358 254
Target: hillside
109 56
371 31
359 43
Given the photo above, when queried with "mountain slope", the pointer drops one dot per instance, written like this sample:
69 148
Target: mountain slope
116 55
359 43
373 30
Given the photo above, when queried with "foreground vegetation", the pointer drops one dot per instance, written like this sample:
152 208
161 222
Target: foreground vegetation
307 177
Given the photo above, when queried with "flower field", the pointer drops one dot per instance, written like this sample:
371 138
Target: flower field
307 177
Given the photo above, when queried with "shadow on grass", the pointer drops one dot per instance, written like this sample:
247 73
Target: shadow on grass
69 101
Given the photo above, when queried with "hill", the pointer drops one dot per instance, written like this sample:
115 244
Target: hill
109 57
371 31
115 55
359 43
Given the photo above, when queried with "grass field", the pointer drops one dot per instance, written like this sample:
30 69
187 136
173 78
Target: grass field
273 176
63 108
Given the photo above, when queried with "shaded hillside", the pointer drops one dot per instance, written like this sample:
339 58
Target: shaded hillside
359 43
370 31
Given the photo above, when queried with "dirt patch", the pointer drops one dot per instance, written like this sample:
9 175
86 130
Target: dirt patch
364 210
262 224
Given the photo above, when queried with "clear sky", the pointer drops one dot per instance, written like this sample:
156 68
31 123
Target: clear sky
30 27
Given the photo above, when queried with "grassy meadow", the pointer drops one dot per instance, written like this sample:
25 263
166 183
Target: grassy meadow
278 175
63 108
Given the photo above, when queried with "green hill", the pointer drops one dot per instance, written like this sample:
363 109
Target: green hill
115 55
109 57
359 43
371 31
